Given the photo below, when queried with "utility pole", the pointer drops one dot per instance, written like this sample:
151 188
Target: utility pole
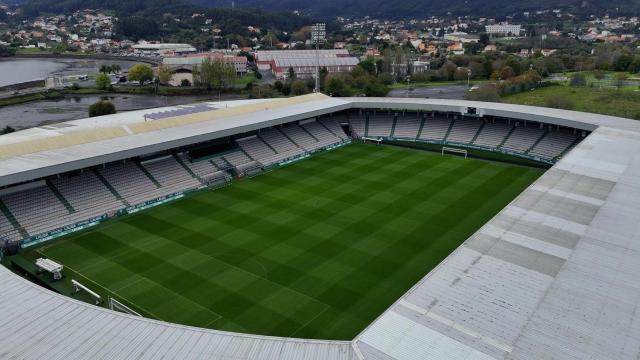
318 35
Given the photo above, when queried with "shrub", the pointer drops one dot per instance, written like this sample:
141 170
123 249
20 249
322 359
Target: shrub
185 83
103 81
102 108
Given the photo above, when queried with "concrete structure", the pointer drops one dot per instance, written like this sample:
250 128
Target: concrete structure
552 276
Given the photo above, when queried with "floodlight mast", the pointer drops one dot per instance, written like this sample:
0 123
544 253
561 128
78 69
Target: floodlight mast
318 35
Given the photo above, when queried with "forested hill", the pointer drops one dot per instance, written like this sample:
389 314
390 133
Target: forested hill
150 13
421 8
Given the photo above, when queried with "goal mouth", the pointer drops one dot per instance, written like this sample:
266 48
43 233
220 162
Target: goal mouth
454 151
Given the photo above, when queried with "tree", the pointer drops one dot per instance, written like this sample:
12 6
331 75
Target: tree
299 87
103 81
102 108
106 69
141 73
185 83
115 68
375 88
369 65
337 87
216 74
164 74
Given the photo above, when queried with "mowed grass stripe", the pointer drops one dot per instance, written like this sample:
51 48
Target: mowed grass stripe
316 249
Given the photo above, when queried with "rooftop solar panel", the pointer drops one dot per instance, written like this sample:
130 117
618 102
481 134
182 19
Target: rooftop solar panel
178 112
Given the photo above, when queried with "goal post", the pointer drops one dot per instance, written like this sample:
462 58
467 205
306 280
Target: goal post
454 151
118 306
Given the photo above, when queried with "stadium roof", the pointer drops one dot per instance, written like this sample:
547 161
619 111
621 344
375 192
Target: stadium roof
553 275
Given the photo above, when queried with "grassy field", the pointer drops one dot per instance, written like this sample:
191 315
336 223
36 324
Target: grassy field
316 249
624 102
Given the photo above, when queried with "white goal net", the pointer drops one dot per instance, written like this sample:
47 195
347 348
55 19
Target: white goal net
118 306
456 151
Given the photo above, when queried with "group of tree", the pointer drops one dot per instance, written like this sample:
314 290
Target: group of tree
215 74
140 73
6 51
109 69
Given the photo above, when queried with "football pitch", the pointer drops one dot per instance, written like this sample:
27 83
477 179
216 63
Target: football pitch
316 249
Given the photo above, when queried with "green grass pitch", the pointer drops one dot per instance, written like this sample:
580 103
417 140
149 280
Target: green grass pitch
317 249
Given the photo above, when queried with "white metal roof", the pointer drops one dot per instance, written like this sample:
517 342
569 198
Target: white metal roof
552 276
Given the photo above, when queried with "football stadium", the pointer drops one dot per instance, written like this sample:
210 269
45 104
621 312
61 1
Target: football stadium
315 227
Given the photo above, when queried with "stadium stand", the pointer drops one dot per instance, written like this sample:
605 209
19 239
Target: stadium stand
242 163
523 138
301 137
129 181
464 130
85 191
435 128
554 143
321 133
493 134
357 125
170 174
333 126
407 127
380 125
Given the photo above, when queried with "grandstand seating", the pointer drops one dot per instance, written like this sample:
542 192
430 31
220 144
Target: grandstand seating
435 128
85 191
523 138
493 134
357 125
380 125
241 162
321 133
129 181
7 230
70 198
554 144
334 127
407 127
301 137
464 130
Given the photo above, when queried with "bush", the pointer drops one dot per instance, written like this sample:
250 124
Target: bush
185 83
487 92
299 87
559 103
102 108
75 86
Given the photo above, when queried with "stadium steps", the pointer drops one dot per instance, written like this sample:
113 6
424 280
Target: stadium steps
12 219
184 166
60 197
310 134
111 188
422 120
148 174
393 126
477 133
264 142
446 136
537 141
329 130
287 136
366 125
513 128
